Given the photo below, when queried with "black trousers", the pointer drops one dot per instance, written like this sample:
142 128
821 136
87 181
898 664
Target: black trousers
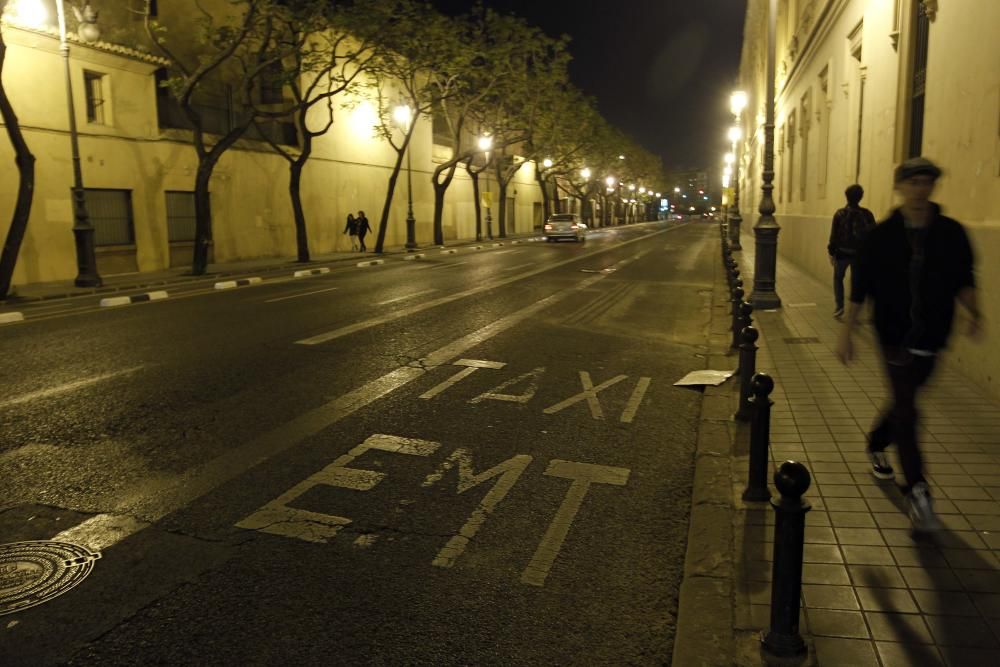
898 423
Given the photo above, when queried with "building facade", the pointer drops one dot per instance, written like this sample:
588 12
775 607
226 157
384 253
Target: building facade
860 86
139 167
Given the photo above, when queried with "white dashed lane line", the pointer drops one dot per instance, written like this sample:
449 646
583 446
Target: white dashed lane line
406 296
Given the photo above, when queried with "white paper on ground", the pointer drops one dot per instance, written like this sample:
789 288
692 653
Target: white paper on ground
714 378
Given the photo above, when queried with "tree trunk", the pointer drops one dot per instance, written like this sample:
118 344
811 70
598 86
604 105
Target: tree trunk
294 191
202 215
546 198
25 187
440 188
502 208
383 222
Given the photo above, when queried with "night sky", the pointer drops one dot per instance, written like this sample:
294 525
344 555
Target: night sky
661 70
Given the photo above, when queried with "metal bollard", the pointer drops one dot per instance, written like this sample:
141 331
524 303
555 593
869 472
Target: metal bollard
748 366
746 313
734 310
760 427
783 638
741 320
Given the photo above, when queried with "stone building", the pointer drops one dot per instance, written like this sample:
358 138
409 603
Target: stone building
138 163
860 86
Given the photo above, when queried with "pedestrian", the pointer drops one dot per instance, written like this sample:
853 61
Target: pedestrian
363 229
913 266
851 225
352 229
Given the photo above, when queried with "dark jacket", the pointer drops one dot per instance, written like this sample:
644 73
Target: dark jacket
363 226
913 277
851 225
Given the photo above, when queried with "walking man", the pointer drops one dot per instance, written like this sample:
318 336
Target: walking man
851 225
913 266
363 229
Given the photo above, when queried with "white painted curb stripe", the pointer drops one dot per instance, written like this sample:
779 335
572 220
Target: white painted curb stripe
449 252
372 262
419 255
228 284
477 247
135 298
311 272
496 245
7 318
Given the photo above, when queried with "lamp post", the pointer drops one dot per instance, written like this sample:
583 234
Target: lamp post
83 230
766 229
485 144
403 115
606 219
737 102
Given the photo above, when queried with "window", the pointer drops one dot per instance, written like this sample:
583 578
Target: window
918 84
272 83
180 216
110 213
93 84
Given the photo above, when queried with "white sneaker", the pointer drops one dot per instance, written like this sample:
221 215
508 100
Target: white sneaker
921 509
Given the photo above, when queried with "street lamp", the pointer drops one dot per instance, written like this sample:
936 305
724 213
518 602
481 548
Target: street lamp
737 103
485 144
766 229
403 116
33 13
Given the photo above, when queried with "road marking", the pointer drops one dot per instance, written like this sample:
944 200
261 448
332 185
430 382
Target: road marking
529 393
515 268
419 255
443 266
583 475
371 262
296 296
101 531
69 386
635 400
405 297
310 272
510 471
155 500
135 298
229 284
589 393
405 312
7 318
504 252
472 364
277 518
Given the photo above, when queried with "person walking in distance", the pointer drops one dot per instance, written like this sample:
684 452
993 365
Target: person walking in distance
851 225
363 229
913 266
352 229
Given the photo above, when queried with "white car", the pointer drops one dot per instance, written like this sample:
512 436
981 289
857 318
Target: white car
565 226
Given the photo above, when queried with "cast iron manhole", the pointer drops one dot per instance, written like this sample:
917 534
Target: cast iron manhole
35 572
804 340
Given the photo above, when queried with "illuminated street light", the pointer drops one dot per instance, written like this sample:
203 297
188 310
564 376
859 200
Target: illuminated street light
403 115
677 190
632 187
547 162
621 157
737 102
610 180
642 191
729 158
585 173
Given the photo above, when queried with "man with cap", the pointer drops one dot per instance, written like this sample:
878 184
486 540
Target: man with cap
913 266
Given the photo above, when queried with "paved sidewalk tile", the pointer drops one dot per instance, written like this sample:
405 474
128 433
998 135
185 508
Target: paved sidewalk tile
872 593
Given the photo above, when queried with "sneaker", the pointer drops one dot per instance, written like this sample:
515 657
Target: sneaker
880 464
838 313
921 512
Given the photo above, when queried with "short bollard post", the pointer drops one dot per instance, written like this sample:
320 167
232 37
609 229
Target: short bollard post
734 312
746 313
783 638
748 366
760 426
740 321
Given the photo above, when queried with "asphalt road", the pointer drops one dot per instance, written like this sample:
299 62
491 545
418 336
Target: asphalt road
471 458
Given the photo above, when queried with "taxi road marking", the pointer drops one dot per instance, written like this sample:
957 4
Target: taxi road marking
589 393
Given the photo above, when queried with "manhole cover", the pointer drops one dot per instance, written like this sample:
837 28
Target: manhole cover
35 572
801 341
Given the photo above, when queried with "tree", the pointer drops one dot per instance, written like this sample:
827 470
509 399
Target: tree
328 63
25 162
238 46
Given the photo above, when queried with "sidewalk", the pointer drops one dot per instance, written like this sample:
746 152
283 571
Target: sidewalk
872 595
182 274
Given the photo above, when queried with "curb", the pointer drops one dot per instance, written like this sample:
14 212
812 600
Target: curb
705 635
451 251
310 272
419 255
229 284
10 318
135 298
374 262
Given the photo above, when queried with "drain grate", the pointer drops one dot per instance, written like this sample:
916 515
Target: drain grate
35 572
804 340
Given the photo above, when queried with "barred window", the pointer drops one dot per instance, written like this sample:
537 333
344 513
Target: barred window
180 215
94 90
110 213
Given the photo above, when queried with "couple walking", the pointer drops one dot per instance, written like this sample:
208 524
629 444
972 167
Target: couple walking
358 228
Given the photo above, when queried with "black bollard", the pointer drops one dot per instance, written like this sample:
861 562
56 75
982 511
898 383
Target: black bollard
741 320
783 638
760 427
734 311
746 313
748 366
